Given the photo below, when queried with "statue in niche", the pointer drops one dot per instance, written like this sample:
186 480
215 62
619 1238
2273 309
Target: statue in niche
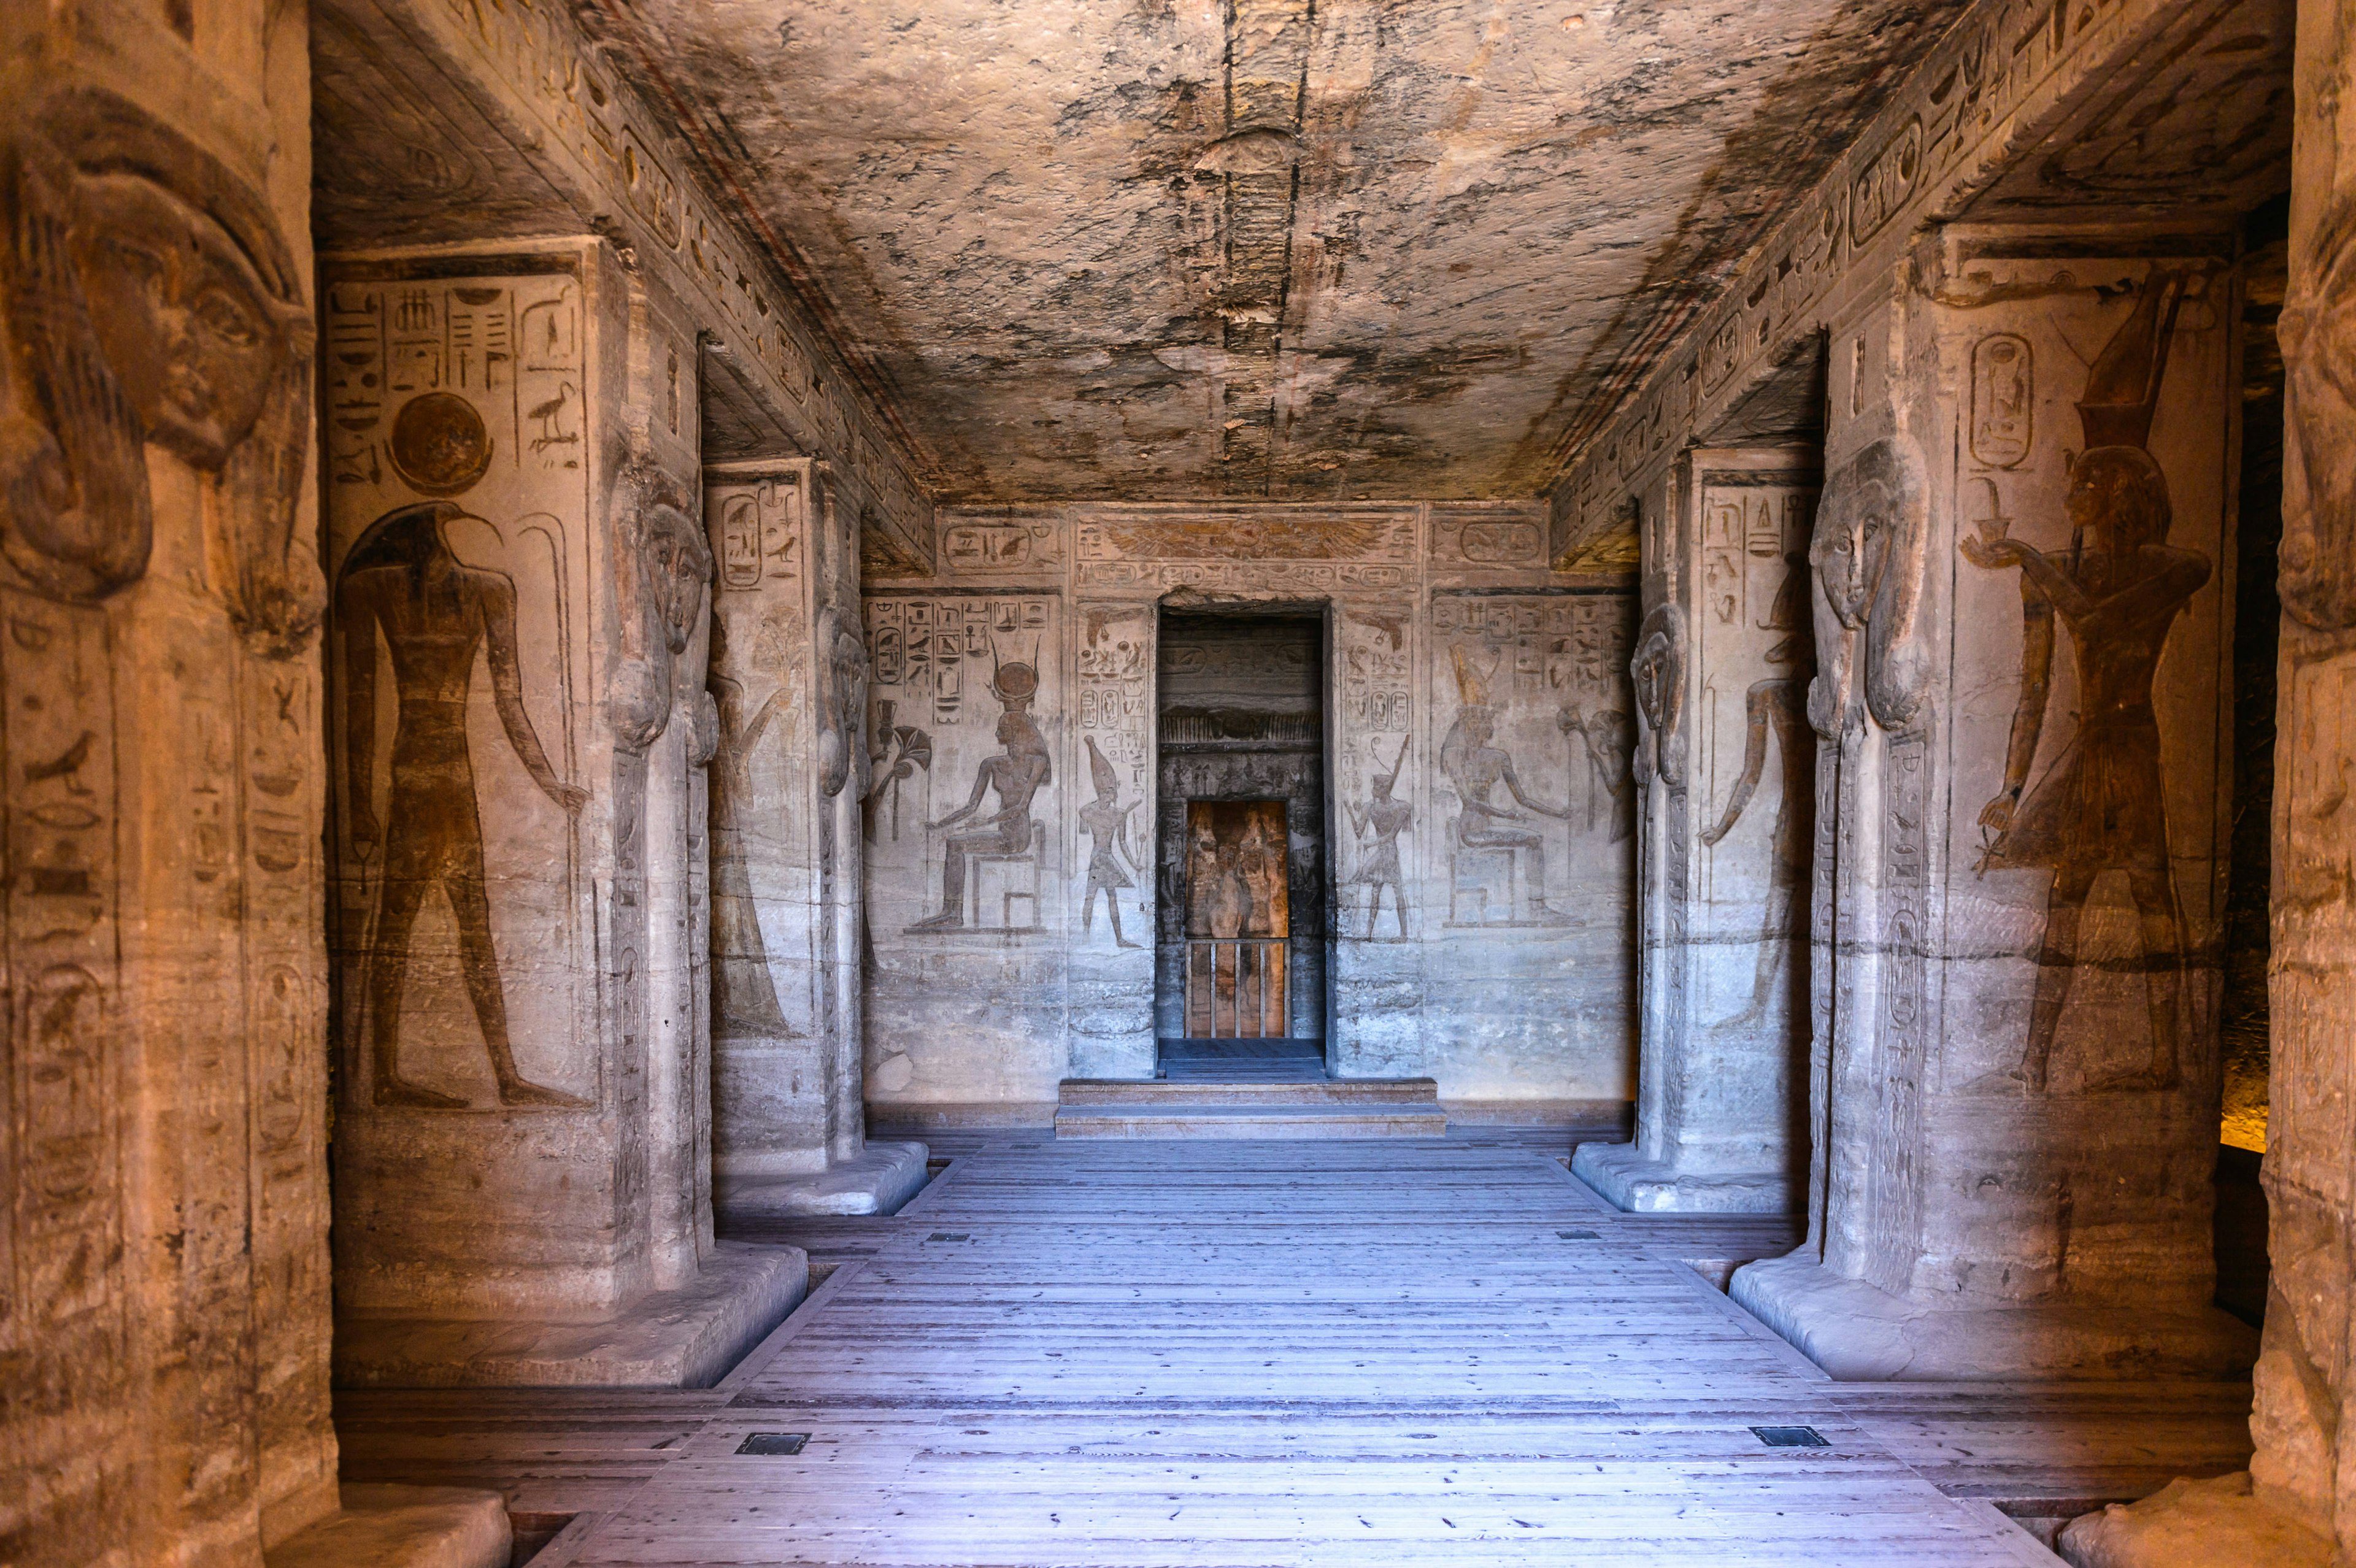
1106 822
435 614
1475 766
148 297
1777 706
1018 773
1867 552
1386 819
1610 741
745 995
2101 804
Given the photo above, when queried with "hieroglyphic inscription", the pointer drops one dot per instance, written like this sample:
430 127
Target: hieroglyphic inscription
1386 533
1240 577
1901 1043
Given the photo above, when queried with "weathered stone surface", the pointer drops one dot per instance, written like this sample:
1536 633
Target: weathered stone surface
1385 251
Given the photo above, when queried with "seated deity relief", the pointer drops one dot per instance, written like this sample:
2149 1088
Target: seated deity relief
149 299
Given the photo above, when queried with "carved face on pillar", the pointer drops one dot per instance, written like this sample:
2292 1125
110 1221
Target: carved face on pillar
842 756
674 568
185 324
1867 554
147 298
1657 670
2318 348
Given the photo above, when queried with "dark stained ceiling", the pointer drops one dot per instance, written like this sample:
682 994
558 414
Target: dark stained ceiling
1169 248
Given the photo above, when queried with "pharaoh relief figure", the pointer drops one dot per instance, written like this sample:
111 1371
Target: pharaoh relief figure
2101 804
149 298
1106 822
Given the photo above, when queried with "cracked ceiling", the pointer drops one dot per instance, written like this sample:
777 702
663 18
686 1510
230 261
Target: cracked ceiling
1266 247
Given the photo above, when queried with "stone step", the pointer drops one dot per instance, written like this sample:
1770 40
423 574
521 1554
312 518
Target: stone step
1321 1091
1137 1120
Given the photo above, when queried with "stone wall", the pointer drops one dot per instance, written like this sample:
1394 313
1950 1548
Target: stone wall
163 1262
1031 650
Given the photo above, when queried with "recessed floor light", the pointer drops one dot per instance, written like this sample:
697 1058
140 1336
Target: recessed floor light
1791 1436
772 1443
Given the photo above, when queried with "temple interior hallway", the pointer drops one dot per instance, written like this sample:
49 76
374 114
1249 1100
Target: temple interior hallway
1268 1352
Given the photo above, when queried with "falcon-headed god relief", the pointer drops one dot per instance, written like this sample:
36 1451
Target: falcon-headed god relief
2101 805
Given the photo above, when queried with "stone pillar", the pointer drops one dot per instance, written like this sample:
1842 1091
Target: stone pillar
2022 640
1721 670
163 1282
518 584
796 785
2296 1504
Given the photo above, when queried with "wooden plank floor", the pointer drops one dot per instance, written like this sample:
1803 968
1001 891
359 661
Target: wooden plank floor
1232 1353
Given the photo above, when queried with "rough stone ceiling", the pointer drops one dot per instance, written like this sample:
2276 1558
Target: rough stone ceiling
1383 248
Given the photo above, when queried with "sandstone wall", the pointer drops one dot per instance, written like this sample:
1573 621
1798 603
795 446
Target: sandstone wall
1031 647
163 1263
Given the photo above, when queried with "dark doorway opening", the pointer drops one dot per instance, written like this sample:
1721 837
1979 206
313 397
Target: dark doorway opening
1240 852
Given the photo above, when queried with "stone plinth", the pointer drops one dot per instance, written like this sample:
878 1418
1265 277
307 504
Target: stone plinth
877 1180
684 1337
2194 1524
404 1527
2022 646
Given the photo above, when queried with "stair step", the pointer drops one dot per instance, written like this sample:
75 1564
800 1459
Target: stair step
1160 1094
1217 1121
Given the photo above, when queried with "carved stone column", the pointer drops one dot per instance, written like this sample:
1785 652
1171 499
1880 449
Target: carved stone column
518 602
2022 645
797 786
1723 670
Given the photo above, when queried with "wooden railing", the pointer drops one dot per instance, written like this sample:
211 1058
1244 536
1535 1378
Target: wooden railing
1234 987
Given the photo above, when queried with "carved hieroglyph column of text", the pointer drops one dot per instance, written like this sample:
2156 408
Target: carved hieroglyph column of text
2021 641
1725 664
520 589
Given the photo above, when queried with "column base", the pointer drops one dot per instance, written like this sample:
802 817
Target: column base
881 1179
1854 1330
2190 1524
685 1338
403 1527
1628 1180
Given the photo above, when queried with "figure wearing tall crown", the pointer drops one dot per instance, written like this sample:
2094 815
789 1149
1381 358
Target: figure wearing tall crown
1475 766
1386 819
2101 804
1020 770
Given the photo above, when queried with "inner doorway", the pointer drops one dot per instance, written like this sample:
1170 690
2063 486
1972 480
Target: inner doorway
1240 843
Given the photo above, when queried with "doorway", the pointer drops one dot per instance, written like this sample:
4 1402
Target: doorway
1240 849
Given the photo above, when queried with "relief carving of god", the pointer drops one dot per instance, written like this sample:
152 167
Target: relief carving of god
2319 350
1868 555
147 298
